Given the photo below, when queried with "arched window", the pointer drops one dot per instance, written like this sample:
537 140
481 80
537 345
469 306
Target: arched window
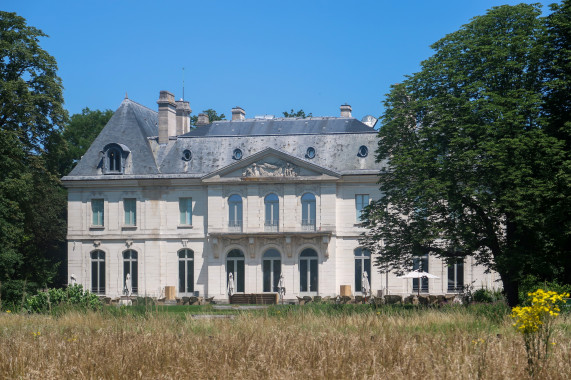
272 203
456 275
185 271
235 265
235 213
308 271
98 272
308 212
272 269
114 160
130 265
362 265
420 263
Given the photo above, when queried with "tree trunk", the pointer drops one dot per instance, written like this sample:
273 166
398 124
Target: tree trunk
511 290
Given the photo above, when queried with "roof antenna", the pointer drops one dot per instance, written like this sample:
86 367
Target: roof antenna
183 83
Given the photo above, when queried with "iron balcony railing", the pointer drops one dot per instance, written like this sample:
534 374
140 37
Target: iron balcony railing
271 226
235 226
308 225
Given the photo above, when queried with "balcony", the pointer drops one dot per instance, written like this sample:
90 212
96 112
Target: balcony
271 226
308 225
235 226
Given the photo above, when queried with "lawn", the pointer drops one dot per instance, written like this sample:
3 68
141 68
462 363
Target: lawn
320 341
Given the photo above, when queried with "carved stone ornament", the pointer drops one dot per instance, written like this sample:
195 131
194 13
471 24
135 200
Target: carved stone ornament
96 243
184 243
270 170
128 243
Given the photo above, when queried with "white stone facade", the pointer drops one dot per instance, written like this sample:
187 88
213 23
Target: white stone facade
157 235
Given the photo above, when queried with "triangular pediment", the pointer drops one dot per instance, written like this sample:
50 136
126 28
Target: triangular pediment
270 165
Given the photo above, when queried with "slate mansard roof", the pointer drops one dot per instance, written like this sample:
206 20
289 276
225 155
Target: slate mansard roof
336 142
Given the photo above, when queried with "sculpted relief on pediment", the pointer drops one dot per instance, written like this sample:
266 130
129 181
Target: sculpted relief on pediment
266 169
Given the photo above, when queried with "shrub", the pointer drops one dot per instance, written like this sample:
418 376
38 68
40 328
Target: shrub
73 296
487 296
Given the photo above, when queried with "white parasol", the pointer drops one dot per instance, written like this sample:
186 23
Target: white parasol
418 274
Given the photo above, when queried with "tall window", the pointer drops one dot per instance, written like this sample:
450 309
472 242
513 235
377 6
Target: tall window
361 201
97 212
420 263
308 271
308 212
235 265
114 160
271 201
272 268
98 272
362 264
456 276
130 266
235 212
130 208
185 210
185 271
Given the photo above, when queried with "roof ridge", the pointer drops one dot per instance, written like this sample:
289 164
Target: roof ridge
139 104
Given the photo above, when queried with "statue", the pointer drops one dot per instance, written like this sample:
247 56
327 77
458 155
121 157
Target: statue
230 284
281 288
128 288
72 279
366 288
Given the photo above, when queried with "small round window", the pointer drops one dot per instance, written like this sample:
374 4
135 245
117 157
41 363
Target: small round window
186 155
237 155
363 151
310 152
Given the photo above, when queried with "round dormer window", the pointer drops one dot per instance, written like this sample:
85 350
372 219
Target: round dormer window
187 155
310 153
363 151
237 155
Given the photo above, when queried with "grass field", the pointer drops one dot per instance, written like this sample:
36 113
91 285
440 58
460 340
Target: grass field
281 342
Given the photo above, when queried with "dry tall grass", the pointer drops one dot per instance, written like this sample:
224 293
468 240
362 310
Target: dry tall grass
427 345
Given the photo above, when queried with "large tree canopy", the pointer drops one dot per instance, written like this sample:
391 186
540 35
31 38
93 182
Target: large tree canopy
32 202
473 167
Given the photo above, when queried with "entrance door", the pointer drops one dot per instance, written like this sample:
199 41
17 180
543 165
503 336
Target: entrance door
308 271
235 265
272 268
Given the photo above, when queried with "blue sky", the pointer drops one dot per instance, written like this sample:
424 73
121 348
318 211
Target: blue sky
265 56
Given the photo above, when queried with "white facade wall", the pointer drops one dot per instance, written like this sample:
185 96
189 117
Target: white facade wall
158 236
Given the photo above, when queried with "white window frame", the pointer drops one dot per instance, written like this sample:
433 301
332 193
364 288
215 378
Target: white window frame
360 204
185 216
100 223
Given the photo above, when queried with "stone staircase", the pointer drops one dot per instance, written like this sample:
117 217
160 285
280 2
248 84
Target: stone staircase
254 299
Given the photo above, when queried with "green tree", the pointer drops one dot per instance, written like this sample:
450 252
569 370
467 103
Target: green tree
471 167
300 113
212 116
32 202
67 147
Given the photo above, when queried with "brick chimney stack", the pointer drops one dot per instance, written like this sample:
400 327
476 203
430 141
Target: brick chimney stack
167 116
182 117
345 110
202 119
238 113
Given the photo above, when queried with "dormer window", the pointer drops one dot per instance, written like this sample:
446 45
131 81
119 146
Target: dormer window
114 157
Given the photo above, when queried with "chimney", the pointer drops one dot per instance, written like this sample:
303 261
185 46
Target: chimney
345 110
238 113
167 116
202 119
182 117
